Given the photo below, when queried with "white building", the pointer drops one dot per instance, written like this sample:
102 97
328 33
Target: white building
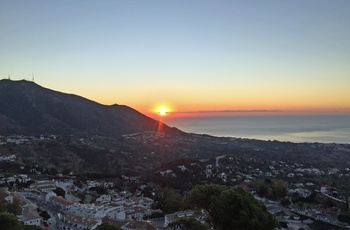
31 218
198 215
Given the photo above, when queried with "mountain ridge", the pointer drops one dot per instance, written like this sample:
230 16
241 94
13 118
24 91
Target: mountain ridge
28 108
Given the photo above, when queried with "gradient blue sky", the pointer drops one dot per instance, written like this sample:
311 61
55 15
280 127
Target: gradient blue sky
188 55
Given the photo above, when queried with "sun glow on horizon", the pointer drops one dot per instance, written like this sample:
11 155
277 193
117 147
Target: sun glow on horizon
163 110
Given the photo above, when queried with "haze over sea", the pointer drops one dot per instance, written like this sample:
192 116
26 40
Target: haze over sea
294 128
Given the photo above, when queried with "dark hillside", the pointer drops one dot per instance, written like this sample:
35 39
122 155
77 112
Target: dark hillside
27 108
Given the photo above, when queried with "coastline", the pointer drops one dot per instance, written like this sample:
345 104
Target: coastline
293 128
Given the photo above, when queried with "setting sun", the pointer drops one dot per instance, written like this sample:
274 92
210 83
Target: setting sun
162 111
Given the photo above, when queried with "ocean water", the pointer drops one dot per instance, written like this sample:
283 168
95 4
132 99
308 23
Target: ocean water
296 128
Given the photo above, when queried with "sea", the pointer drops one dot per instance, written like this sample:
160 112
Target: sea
293 128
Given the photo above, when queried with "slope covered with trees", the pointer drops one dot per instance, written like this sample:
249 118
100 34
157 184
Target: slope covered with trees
231 207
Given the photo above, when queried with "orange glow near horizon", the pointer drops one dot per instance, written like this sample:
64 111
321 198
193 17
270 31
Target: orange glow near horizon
236 106
192 108
161 112
228 101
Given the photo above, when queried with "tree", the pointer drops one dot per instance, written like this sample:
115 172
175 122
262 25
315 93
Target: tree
31 227
272 189
9 222
172 201
45 215
187 224
59 192
13 207
169 200
106 226
100 190
52 171
231 207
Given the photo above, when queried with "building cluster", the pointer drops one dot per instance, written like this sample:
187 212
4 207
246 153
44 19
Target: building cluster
112 206
28 210
128 210
20 139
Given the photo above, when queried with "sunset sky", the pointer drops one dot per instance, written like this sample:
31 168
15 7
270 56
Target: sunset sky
188 55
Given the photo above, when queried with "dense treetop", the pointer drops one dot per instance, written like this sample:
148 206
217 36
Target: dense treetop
231 207
106 226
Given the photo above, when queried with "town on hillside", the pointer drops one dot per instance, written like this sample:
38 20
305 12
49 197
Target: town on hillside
298 194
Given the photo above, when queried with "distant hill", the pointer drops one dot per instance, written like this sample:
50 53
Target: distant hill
28 108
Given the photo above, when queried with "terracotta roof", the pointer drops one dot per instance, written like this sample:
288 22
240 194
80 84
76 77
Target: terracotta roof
61 200
88 222
140 225
136 209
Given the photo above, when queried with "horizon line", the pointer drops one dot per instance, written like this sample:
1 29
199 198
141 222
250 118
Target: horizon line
257 112
228 111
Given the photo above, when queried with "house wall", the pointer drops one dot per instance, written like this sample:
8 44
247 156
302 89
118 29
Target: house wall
35 222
